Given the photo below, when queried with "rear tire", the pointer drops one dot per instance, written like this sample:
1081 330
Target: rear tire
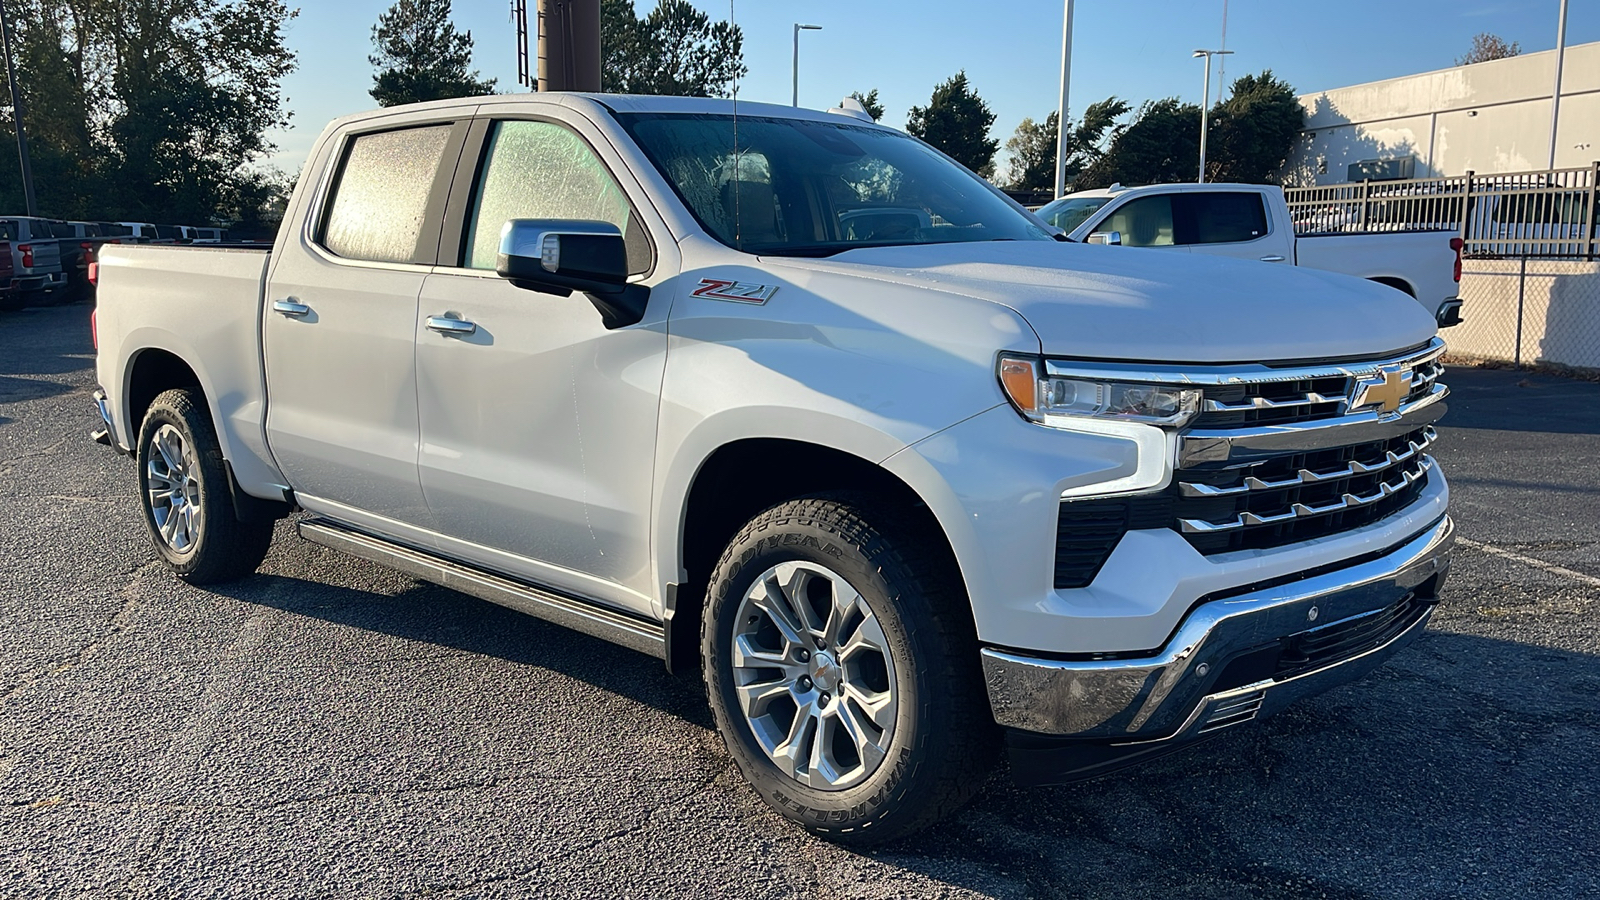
186 497
863 716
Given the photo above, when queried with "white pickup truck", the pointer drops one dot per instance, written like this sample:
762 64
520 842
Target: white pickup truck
1252 221
795 402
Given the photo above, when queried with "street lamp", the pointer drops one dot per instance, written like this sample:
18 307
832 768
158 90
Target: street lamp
1205 98
795 101
1061 111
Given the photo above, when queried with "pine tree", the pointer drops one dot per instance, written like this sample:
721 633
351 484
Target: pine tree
421 56
870 103
957 121
676 50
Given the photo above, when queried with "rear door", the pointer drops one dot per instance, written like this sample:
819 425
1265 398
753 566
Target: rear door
538 428
339 323
1231 223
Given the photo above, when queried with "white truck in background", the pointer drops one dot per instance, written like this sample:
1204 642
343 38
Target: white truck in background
1252 221
796 403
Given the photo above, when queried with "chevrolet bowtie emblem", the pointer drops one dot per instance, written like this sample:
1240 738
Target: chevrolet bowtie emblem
1386 390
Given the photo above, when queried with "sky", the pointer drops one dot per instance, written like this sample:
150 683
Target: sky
1010 49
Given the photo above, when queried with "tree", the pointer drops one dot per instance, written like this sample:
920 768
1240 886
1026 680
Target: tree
1254 130
154 110
1162 145
1033 147
1488 46
869 102
420 55
676 50
957 121
1250 138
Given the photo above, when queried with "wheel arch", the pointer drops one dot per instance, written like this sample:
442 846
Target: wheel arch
740 479
1399 284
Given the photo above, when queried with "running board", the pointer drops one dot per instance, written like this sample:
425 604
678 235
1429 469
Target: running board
591 619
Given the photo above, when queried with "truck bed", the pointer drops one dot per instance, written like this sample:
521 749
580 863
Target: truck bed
201 304
1419 262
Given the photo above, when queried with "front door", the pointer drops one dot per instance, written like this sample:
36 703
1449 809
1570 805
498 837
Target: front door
339 328
539 426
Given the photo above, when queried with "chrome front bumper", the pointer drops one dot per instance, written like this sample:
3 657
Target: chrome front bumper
1232 659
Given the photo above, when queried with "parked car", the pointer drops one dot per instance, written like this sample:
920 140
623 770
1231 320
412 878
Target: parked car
36 260
140 232
10 300
898 490
1252 221
80 243
210 235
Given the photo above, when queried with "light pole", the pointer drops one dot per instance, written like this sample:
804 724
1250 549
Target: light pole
1205 99
1061 114
1555 95
795 101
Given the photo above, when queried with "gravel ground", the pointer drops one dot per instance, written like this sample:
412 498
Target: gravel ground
328 728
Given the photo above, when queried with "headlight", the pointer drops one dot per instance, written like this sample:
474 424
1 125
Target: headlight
1038 395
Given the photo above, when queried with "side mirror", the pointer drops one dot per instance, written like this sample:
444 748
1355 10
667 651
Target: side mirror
1106 237
559 256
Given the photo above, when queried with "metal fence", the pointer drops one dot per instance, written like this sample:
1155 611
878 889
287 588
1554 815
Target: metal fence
1549 214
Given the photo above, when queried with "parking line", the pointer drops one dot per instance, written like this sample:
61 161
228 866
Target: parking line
1536 563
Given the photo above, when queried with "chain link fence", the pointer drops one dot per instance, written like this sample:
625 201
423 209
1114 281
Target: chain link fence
1529 312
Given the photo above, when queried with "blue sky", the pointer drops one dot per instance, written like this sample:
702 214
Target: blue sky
1010 49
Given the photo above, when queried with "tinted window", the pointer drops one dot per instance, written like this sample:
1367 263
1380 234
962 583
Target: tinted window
1144 222
540 170
381 197
62 230
8 231
1222 217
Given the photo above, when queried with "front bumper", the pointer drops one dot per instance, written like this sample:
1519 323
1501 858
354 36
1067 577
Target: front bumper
1234 658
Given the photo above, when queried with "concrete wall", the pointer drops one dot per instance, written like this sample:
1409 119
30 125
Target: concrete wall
1559 302
1487 117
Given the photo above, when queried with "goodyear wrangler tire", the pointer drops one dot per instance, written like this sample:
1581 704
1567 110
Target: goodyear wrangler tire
842 670
185 495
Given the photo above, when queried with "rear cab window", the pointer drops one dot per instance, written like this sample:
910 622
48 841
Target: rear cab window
381 197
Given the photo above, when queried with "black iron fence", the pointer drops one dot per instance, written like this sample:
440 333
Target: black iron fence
1549 214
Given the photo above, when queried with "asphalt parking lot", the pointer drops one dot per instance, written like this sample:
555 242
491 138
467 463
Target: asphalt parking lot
328 728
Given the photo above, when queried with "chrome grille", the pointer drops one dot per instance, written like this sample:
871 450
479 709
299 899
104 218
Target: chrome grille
1279 455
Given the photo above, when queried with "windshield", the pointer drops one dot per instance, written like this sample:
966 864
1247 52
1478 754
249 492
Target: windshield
804 188
1070 212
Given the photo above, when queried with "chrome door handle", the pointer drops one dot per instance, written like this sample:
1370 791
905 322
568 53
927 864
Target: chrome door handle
447 325
1273 258
292 308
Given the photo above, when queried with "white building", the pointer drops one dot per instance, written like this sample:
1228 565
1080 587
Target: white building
1486 117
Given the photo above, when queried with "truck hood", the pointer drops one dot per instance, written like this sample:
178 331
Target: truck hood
1122 303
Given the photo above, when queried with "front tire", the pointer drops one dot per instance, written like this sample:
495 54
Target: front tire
186 498
842 670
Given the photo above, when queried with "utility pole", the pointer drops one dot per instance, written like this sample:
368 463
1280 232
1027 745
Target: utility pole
1061 111
795 99
17 112
1555 95
1205 107
569 45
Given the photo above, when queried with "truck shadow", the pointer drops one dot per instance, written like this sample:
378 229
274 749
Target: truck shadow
1409 783
428 614
1395 785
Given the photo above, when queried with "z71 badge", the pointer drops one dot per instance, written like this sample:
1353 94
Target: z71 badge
737 291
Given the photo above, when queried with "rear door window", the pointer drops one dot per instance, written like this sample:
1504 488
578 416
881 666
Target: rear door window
1220 217
380 200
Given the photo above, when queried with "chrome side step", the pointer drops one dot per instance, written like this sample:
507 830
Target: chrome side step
579 615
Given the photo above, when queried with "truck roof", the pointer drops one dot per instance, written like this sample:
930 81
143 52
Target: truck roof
619 103
1117 190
